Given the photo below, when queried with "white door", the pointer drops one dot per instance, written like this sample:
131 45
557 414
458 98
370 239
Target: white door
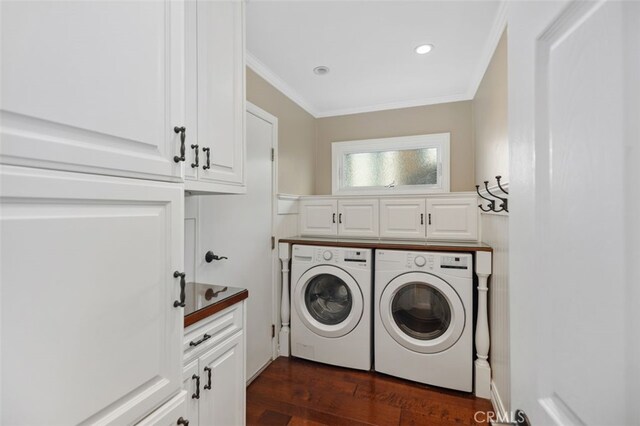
452 219
402 218
220 90
319 217
224 403
93 86
574 104
240 227
89 327
358 218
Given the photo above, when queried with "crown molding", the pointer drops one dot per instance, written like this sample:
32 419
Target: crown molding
499 24
272 78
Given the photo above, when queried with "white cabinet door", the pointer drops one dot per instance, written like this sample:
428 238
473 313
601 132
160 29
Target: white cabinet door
224 404
452 219
358 218
216 105
192 382
402 218
89 327
94 87
319 217
171 413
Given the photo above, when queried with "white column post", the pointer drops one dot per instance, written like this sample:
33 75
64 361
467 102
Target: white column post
284 253
482 367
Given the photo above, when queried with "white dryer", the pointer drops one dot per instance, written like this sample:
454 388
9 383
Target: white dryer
423 317
331 290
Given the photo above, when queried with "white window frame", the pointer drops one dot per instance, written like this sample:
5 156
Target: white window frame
441 141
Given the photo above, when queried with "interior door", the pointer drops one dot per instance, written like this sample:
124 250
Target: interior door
239 227
89 327
574 103
93 86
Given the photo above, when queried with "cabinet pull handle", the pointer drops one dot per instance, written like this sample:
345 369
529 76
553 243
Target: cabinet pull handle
207 151
421 218
183 283
429 218
197 342
183 422
340 218
197 379
334 218
183 136
208 385
197 163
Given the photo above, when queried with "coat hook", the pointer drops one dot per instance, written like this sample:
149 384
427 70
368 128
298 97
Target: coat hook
503 205
492 203
500 186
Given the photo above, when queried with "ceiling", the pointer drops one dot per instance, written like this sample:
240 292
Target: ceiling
369 48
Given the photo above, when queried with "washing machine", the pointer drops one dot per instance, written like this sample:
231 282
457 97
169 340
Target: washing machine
331 291
423 328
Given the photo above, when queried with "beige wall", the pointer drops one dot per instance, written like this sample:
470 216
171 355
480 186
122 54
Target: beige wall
490 119
296 136
452 117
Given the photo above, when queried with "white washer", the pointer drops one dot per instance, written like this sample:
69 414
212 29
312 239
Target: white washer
331 305
423 317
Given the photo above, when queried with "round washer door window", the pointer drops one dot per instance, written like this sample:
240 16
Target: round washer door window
328 301
422 312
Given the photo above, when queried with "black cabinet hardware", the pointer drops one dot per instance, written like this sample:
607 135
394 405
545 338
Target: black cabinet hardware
429 216
340 218
182 422
210 257
197 163
197 379
197 342
334 218
207 151
421 218
183 283
183 136
208 385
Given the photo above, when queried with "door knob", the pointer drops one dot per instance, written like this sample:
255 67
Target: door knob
210 257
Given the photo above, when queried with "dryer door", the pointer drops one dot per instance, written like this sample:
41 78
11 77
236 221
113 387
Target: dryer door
422 312
328 301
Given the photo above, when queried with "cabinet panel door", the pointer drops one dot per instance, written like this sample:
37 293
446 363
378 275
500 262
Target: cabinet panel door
452 219
402 218
220 91
190 384
358 218
93 86
319 217
89 330
169 413
224 403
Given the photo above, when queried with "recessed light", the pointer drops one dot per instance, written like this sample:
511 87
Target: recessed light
423 49
321 70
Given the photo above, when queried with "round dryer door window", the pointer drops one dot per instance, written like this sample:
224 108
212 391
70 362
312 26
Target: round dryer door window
328 301
422 312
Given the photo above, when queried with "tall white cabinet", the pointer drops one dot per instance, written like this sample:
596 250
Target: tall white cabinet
95 141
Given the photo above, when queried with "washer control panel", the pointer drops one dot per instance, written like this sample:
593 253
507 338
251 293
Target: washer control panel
421 260
455 262
332 255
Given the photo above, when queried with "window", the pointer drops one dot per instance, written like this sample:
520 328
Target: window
412 164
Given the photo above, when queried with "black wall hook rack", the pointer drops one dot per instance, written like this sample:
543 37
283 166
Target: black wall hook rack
491 205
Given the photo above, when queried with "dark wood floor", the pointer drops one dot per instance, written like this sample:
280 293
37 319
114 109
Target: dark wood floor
298 392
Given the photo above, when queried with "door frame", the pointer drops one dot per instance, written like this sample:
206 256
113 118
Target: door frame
275 270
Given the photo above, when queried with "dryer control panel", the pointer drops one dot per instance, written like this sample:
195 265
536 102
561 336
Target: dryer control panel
455 262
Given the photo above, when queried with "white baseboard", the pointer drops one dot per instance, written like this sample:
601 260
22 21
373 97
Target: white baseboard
496 401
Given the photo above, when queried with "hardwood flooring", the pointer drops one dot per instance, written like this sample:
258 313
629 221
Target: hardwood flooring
296 392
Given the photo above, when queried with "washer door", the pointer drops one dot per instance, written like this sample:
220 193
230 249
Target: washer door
328 300
422 312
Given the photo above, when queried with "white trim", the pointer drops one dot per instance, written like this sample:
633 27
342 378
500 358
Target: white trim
272 78
499 24
440 140
497 191
396 105
496 402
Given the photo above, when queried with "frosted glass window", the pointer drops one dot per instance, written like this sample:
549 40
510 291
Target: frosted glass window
391 168
403 165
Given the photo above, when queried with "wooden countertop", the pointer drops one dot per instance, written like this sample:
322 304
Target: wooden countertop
389 244
217 298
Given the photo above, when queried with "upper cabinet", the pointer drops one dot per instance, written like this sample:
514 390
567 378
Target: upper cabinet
358 218
402 218
215 96
94 87
319 217
452 219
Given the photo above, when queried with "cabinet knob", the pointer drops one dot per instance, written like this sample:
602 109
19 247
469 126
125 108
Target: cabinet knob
183 136
183 422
